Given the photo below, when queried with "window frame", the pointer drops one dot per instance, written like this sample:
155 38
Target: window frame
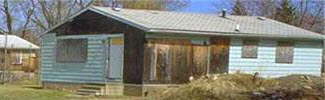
247 43
285 45
17 56
57 58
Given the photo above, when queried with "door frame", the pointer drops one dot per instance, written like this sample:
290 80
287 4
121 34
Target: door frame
108 57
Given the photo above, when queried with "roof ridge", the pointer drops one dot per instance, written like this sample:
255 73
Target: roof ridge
214 14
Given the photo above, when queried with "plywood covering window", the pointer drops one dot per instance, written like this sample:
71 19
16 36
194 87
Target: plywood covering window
71 51
284 52
250 49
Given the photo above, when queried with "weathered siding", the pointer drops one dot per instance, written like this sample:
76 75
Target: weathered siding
91 23
133 55
173 61
307 59
89 72
219 55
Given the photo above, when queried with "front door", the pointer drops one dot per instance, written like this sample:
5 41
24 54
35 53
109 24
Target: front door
114 60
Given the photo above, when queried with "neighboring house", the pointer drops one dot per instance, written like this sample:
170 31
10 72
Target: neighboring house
137 50
21 54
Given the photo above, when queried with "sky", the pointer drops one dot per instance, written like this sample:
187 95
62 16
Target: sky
207 6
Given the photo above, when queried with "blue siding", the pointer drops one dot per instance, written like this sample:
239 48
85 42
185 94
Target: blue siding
90 72
307 59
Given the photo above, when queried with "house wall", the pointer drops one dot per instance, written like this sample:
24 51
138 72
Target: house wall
307 59
89 72
173 60
91 23
133 55
29 60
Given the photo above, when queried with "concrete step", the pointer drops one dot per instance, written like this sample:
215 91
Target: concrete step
96 84
95 87
91 89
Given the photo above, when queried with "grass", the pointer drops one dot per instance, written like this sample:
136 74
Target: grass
25 89
14 92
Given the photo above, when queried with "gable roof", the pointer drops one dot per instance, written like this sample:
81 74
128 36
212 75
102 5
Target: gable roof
207 24
16 42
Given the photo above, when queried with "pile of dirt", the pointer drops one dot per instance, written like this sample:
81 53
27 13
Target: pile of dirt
248 87
300 87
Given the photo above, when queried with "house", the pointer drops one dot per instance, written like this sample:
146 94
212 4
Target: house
137 51
21 54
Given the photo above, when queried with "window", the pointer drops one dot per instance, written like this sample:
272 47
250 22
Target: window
71 51
249 49
284 52
17 58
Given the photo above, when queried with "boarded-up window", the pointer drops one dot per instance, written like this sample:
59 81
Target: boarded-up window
250 49
71 51
284 52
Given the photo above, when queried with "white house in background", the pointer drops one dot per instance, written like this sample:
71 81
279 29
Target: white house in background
21 54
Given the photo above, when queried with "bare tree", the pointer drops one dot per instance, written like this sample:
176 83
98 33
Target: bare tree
144 4
27 8
50 12
309 13
239 8
8 16
5 9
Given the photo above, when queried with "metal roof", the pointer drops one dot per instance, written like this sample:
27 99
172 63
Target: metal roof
16 42
208 24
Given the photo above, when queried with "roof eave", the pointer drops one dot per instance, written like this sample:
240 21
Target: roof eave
22 48
235 34
137 25
123 20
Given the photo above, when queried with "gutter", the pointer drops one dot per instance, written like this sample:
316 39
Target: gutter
235 34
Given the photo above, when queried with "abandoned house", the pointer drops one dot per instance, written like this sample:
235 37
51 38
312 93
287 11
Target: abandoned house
21 54
133 52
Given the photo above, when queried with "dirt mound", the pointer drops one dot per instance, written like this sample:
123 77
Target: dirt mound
293 87
248 87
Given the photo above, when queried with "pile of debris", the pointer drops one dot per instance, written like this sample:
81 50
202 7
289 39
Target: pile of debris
248 87
292 87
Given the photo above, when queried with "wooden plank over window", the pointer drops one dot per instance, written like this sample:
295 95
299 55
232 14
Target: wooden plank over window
284 52
250 49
